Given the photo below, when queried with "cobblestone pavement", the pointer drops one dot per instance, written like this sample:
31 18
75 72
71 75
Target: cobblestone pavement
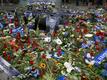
4 76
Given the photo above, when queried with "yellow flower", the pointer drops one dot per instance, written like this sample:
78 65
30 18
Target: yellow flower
90 66
57 63
77 54
42 65
80 49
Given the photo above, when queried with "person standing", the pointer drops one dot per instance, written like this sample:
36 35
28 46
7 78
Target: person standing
85 2
91 3
65 1
105 5
77 2
99 2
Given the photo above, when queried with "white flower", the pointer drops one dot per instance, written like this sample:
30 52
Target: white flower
69 67
89 62
53 3
55 55
11 25
63 29
92 62
63 33
89 59
78 69
48 56
7 30
88 55
13 77
72 35
42 34
20 76
58 41
47 39
67 64
28 68
106 55
63 73
66 26
88 35
32 31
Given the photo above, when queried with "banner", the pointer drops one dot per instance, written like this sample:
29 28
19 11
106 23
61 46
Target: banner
6 67
100 57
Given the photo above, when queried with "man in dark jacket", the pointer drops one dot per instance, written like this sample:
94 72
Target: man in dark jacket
85 2
99 2
77 2
65 1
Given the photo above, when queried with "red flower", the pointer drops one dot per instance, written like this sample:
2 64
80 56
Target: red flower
22 46
5 45
16 23
98 33
31 62
35 44
59 51
33 68
70 23
7 22
85 31
12 43
41 49
28 41
42 72
97 47
18 36
8 58
78 30
10 20
19 62
105 19
66 23
5 17
91 53
4 53
16 48
101 34
59 54
54 34
10 31
96 42
43 56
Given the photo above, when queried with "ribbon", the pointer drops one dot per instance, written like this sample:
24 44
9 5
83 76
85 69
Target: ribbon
18 30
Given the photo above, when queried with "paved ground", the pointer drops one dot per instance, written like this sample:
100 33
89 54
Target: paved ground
12 6
3 76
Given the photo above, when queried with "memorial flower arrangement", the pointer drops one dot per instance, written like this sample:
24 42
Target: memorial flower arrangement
77 51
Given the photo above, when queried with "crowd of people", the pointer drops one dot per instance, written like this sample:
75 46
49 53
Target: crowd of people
86 2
